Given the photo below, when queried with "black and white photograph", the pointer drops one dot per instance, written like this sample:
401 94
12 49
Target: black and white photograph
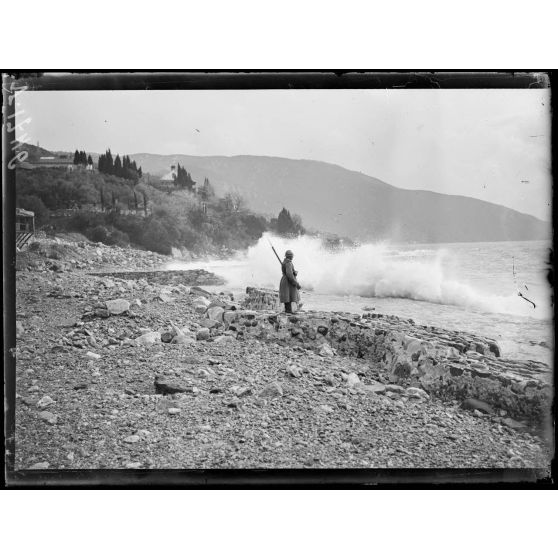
233 277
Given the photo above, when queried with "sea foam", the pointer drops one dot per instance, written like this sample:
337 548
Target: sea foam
369 270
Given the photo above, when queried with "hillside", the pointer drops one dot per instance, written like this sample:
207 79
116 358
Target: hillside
333 199
114 210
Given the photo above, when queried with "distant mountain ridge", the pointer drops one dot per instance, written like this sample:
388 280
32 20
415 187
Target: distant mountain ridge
333 199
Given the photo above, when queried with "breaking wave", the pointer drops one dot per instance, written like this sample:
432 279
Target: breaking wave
369 270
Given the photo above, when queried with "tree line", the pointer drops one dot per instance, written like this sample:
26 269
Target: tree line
183 179
122 167
81 158
157 221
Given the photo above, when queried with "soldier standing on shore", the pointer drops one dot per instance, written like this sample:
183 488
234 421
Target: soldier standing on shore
289 286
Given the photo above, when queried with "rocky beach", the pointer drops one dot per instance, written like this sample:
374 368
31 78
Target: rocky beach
121 364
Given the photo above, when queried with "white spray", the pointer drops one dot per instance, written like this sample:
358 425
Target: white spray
369 270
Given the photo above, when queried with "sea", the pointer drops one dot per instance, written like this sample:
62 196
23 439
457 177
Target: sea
472 287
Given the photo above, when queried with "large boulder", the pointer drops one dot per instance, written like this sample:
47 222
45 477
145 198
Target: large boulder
326 350
202 334
224 339
416 393
215 313
229 317
352 379
210 324
148 338
272 390
45 402
201 300
167 386
199 291
117 306
48 417
475 404
163 297
182 339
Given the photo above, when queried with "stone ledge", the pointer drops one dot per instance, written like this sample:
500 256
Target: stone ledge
261 299
161 277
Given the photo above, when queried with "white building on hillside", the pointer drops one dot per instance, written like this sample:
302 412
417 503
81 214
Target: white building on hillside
170 177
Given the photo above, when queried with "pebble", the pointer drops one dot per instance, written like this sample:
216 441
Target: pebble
132 439
174 411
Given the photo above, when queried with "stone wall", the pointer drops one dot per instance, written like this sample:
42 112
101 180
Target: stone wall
261 299
446 364
184 277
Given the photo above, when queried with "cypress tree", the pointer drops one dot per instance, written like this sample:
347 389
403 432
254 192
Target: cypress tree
109 163
89 160
285 223
117 166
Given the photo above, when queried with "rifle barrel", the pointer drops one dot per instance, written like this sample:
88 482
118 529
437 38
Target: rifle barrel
277 255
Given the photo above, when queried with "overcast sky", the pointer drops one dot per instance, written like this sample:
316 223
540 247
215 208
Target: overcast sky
488 144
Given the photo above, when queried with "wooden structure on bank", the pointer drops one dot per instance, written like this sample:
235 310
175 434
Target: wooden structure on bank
25 227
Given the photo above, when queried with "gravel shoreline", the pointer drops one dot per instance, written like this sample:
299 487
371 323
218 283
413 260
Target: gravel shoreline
92 404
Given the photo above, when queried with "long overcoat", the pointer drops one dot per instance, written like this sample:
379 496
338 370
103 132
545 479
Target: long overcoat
288 291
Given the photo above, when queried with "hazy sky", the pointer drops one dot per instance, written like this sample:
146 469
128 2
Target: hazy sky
479 143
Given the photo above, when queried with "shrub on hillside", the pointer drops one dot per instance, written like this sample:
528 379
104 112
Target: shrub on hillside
117 238
83 221
156 237
97 234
